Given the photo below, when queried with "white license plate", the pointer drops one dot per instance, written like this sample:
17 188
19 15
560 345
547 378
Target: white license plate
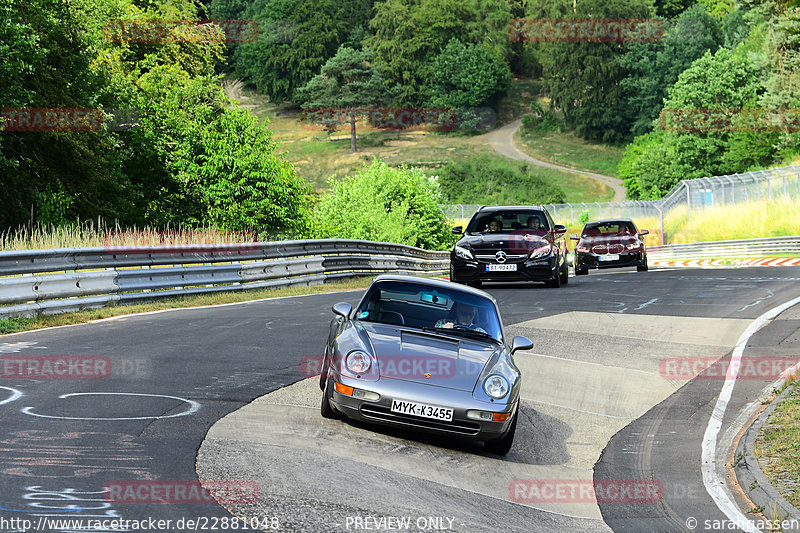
502 268
609 257
423 410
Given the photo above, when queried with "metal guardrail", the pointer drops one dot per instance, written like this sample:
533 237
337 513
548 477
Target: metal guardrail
726 249
69 279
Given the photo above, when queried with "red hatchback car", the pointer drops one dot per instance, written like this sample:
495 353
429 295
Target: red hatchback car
609 244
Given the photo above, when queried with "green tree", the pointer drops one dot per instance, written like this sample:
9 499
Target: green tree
653 67
47 62
347 81
584 77
408 35
466 76
381 203
296 38
725 81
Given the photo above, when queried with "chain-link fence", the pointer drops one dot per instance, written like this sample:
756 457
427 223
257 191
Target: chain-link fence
688 196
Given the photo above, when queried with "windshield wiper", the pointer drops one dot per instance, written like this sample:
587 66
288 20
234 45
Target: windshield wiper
465 332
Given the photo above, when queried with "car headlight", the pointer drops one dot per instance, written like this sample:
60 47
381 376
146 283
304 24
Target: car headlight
633 245
463 253
542 251
495 386
358 362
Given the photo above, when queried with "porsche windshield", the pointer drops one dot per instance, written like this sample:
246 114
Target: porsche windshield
423 307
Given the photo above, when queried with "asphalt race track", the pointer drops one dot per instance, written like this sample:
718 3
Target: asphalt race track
600 405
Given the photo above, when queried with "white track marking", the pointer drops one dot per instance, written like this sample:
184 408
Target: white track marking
715 484
194 406
15 395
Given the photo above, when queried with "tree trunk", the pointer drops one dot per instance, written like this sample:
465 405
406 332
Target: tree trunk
352 133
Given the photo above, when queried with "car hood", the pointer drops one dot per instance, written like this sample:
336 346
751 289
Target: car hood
609 239
428 358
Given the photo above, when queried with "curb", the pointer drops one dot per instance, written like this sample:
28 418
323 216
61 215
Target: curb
747 262
750 477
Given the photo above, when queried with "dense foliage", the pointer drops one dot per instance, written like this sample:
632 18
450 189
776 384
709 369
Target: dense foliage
491 180
381 203
189 156
190 159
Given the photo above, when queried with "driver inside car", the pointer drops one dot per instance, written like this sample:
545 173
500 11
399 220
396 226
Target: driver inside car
461 315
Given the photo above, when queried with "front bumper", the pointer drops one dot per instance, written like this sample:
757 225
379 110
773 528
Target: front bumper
379 412
626 259
542 269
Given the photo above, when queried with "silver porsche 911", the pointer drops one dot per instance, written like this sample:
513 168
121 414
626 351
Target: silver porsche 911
427 355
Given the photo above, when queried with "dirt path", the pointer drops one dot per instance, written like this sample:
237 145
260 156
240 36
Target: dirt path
502 140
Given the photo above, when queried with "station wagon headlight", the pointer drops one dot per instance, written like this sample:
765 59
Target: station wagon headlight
463 253
495 386
542 251
358 362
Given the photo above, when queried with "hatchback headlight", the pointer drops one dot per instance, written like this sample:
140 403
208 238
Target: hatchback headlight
633 245
495 386
358 362
463 253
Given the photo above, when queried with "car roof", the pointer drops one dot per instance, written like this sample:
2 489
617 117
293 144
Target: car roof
609 221
506 207
435 282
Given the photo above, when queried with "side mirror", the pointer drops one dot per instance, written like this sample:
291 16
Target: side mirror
458 230
521 343
644 232
342 309
574 237
558 229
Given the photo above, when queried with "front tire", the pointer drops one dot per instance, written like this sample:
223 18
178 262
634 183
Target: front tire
555 282
565 274
503 445
642 267
325 408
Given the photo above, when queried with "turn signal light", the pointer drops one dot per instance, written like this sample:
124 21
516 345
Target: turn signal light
343 389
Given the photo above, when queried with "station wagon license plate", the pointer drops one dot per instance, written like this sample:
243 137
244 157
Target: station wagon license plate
504 268
423 410
609 257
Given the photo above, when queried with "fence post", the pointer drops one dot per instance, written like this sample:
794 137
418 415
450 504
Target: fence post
688 202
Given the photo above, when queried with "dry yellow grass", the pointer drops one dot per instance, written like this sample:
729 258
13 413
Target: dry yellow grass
97 234
747 220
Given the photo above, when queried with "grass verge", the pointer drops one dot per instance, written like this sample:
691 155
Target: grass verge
565 149
778 447
14 325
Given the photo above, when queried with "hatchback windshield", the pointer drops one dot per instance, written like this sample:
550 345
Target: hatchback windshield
609 228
